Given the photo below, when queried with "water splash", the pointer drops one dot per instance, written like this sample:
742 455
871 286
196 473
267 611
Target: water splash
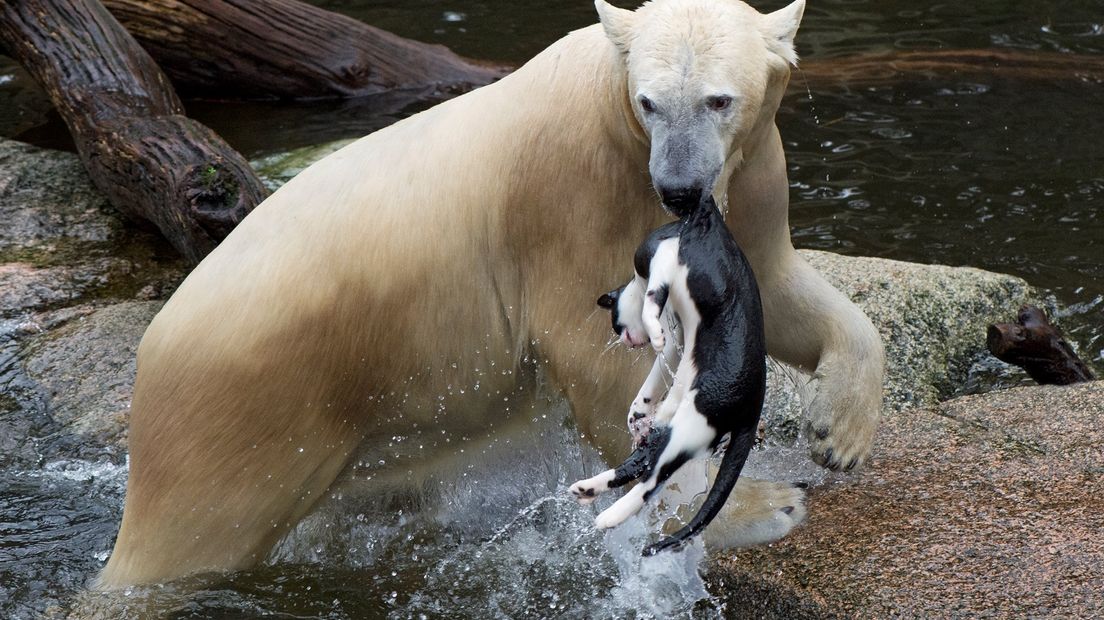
500 537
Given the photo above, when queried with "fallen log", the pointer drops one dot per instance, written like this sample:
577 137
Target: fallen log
875 69
287 49
129 127
1038 347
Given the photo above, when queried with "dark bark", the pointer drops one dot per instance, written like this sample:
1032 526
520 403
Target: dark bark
287 49
891 67
129 127
1038 347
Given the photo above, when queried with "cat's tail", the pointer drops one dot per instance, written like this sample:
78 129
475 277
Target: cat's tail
731 464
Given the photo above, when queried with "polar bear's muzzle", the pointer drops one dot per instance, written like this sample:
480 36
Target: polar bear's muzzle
684 166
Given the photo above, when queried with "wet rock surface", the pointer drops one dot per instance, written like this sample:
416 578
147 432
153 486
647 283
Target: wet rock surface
76 284
86 367
986 506
932 320
62 244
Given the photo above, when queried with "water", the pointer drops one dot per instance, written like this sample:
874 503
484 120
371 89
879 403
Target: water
497 537
965 167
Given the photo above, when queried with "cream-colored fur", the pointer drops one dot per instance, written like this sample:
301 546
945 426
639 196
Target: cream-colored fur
436 254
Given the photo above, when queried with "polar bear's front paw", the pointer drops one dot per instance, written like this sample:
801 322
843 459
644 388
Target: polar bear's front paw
840 440
843 416
843 455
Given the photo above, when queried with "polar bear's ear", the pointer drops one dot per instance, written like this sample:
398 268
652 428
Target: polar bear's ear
780 27
618 24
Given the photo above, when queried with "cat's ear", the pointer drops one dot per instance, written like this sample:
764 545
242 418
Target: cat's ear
608 300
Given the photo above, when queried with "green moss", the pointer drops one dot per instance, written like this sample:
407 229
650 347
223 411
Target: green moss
8 403
210 176
132 261
1022 447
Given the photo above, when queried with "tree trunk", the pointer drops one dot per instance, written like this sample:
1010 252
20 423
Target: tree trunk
890 67
286 49
1038 347
129 127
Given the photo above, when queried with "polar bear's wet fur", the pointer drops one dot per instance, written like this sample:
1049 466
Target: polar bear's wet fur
473 234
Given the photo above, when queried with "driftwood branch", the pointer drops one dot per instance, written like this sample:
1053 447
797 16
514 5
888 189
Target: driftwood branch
896 66
129 127
287 49
1038 347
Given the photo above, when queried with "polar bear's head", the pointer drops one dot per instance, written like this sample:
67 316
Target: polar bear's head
703 75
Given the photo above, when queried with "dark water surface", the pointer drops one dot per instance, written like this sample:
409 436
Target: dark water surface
960 168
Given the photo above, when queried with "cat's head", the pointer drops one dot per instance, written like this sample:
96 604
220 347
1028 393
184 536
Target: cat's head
626 306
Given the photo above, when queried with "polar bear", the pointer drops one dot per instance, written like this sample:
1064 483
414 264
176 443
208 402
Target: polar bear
467 237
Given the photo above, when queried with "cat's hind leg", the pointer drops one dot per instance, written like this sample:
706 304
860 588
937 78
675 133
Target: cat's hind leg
639 463
690 436
642 412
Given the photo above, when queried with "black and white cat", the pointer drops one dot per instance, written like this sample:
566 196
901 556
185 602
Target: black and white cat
689 273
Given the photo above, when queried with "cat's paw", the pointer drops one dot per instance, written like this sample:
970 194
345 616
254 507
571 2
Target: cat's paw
586 491
659 341
640 424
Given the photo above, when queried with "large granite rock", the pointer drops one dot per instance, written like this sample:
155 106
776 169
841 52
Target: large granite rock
986 506
70 268
61 242
86 369
932 320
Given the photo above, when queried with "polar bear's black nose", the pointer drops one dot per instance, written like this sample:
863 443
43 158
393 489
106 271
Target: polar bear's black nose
681 199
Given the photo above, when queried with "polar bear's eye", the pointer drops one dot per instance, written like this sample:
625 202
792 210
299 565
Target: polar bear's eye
718 103
647 105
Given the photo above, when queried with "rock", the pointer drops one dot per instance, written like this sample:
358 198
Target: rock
933 322
86 369
67 260
66 381
47 199
62 244
279 168
986 506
